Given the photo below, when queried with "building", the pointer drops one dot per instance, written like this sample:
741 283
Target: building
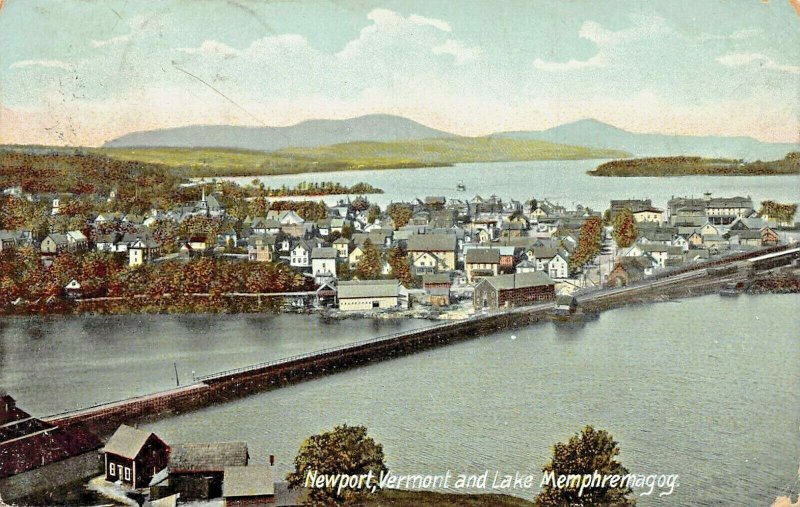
141 251
628 270
481 262
651 215
54 243
566 305
518 289
301 255
432 253
342 246
362 295
133 457
323 264
261 248
248 486
633 205
196 471
438 288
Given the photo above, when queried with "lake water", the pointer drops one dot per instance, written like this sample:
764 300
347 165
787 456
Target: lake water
562 181
707 388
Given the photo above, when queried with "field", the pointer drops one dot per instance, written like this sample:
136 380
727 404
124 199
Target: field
352 156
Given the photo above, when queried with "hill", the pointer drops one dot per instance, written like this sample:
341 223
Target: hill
209 162
596 134
692 166
311 133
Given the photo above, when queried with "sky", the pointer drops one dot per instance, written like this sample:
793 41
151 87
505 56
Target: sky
81 72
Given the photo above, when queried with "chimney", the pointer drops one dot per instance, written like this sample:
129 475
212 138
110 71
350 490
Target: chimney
271 460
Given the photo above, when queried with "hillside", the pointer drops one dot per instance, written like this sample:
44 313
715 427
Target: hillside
376 127
692 166
596 134
353 156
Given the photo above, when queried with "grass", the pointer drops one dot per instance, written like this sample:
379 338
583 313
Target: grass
398 498
210 162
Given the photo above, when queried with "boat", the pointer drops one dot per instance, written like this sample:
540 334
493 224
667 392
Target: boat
731 290
461 187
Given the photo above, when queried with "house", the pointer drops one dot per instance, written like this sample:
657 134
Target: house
54 243
363 295
323 264
300 255
261 248
432 253
7 240
73 289
248 486
566 305
628 270
558 267
526 266
517 289
196 470
261 225
142 250
769 237
198 242
133 456
481 262
649 215
438 288
633 205
724 210
342 246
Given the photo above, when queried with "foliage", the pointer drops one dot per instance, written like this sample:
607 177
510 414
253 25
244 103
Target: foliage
307 210
586 452
369 266
625 232
782 213
344 450
373 214
400 214
401 267
589 243
688 166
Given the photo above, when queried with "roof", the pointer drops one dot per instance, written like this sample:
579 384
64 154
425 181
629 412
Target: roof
43 448
565 300
367 288
126 442
436 279
207 457
324 253
253 480
518 280
483 256
431 243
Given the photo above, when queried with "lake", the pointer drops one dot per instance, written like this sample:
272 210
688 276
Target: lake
562 181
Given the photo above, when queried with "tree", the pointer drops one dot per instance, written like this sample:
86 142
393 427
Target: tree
400 214
345 450
586 452
783 214
373 214
401 267
369 265
590 241
624 228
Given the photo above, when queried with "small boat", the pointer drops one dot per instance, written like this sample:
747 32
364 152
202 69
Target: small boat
731 290
461 187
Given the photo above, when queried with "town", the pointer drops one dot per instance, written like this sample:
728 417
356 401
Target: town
431 256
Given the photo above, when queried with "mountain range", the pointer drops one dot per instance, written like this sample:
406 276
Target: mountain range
387 128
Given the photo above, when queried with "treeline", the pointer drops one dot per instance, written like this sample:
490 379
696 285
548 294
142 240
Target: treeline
304 188
691 166
163 287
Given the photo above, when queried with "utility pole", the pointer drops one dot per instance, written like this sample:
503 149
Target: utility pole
177 380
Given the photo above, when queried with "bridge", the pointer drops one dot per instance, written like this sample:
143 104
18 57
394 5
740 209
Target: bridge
235 383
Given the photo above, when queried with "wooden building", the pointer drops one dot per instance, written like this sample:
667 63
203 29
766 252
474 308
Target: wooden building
481 262
438 289
517 289
362 295
196 471
248 486
133 456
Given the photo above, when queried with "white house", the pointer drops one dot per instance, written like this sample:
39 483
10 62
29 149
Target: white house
323 264
300 255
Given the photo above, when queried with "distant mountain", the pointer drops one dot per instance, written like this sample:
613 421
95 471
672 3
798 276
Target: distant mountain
596 134
307 134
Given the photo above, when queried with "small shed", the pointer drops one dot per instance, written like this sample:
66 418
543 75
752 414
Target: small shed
133 456
196 470
438 288
248 486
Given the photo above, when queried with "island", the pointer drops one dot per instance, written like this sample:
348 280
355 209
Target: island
694 166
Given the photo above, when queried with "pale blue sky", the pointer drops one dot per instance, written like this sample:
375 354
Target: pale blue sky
84 71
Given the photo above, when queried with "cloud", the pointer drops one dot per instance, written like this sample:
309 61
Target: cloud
436 23
49 64
211 48
460 51
743 34
550 66
765 62
112 41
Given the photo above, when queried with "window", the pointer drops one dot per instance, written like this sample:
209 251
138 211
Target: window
111 470
127 474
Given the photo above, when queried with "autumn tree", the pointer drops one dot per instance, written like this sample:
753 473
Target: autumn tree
373 214
590 241
369 265
781 213
400 214
401 267
344 450
624 228
586 452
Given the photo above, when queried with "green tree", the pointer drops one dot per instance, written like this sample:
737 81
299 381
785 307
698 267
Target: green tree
624 228
586 452
781 213
373 214
369 266
345 450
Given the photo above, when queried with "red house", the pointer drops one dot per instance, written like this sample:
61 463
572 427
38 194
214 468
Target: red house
133 456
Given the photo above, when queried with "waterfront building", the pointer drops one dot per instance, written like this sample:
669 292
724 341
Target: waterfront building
133 456
516 289
362 295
